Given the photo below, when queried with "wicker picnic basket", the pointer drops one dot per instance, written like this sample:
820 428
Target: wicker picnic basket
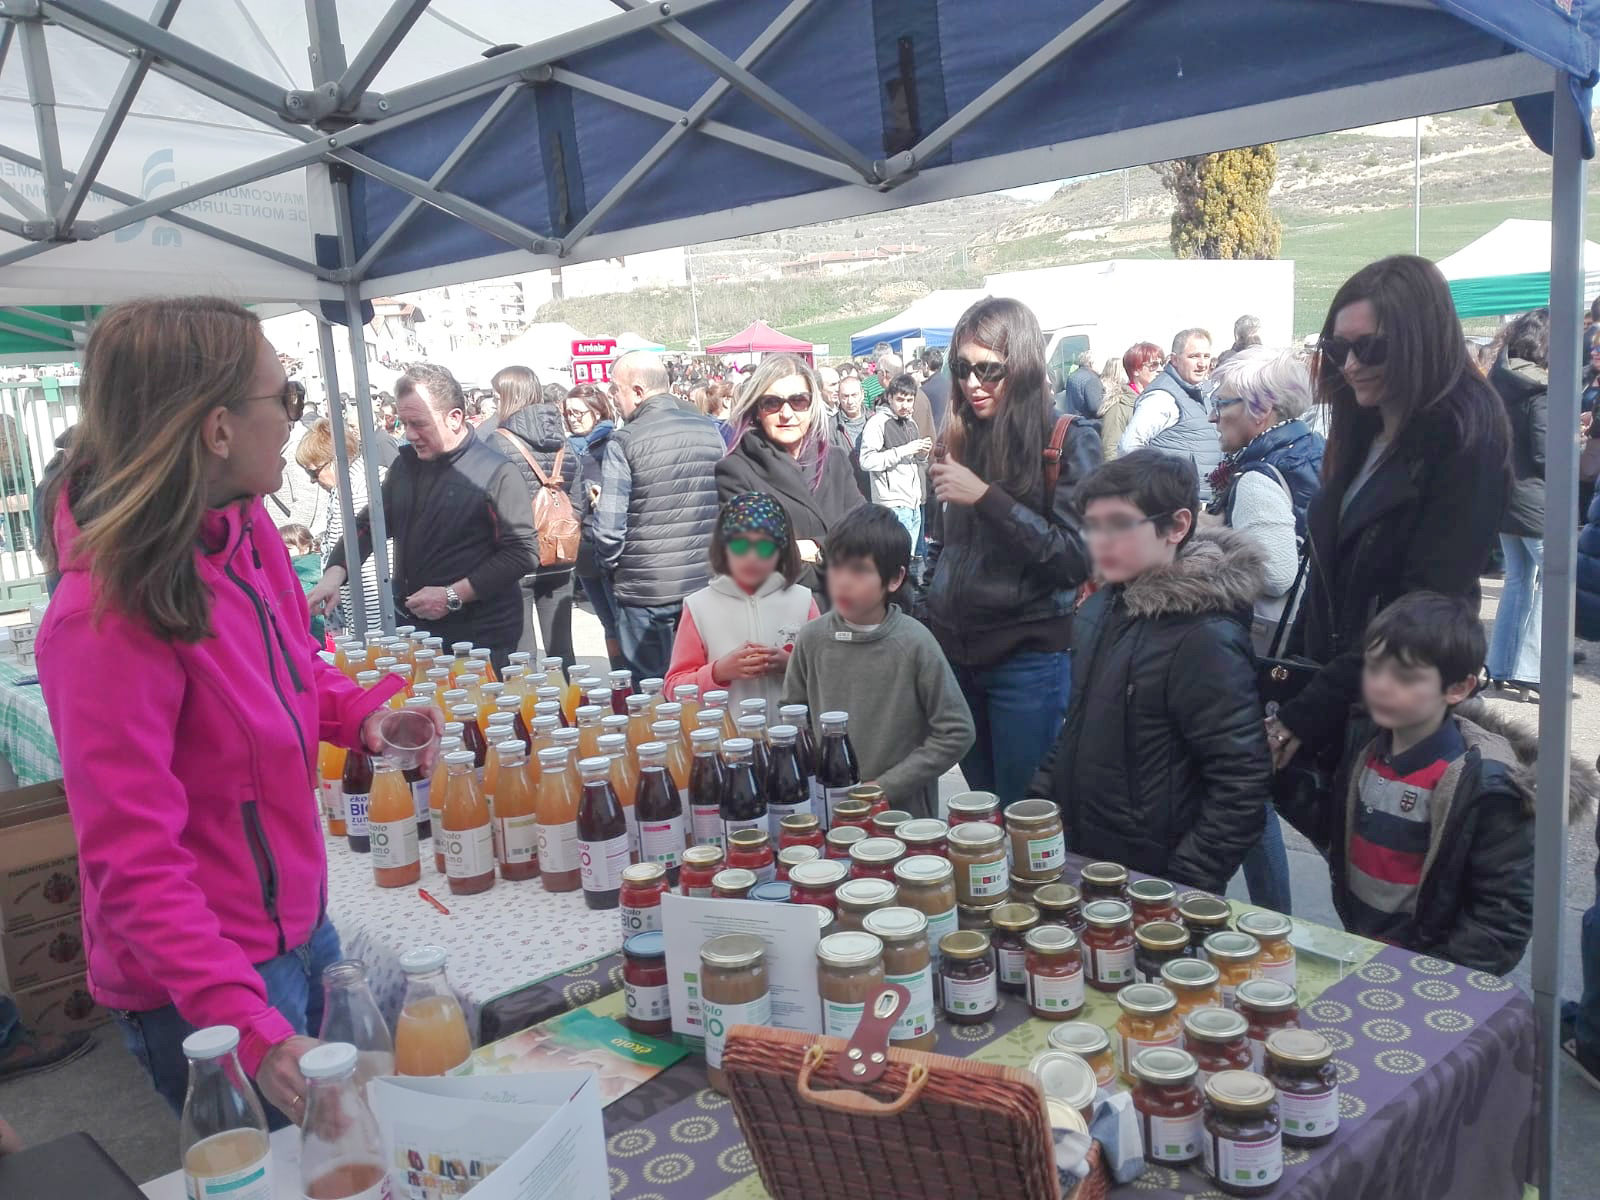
929 1127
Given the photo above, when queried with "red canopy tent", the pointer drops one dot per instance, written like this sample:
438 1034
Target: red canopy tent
760 338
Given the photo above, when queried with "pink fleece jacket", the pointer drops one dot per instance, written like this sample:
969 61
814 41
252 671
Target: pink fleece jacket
190 775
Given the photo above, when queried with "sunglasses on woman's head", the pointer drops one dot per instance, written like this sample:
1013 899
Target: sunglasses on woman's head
763 547
988 373
1370 349
799 402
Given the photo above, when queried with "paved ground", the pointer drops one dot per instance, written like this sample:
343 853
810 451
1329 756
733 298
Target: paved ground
106 1094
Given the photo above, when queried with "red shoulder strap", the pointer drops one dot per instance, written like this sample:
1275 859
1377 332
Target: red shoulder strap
1052 458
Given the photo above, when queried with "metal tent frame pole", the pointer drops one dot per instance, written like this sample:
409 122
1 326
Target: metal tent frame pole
1560 566
341 465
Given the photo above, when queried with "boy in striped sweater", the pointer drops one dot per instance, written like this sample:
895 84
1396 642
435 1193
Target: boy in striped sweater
1433 823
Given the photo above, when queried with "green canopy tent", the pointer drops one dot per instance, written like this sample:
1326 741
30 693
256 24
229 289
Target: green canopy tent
1507 270
47 334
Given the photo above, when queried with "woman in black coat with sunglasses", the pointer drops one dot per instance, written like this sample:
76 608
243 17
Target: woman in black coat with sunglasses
783 445
1417 476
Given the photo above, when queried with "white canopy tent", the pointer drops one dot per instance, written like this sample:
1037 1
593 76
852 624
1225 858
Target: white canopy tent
1507 270
545 346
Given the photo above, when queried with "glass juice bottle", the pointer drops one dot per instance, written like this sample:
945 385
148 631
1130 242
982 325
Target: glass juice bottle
706 783
350 1013
660 811
472 738
330 786
222 1135
687 697
638 720
588 718
513 705
437 787
625 782
392 828
799 716
558 821
516 813
603 849
788 789
430 1037
621 688
572 692
468 840
341 1153
357 788
419 781
837 769
483 663
743 805
667 730
754 727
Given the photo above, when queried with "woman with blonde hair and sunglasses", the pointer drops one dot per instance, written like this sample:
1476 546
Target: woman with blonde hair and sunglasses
188 697
783 445
314 456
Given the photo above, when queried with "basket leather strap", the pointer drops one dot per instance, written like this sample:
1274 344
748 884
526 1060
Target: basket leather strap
852 1102
866 1054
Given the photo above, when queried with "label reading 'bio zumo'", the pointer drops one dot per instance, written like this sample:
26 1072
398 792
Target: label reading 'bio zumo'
468 853
720 1018
394 843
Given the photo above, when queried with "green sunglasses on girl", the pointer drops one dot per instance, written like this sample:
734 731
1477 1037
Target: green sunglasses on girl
761 547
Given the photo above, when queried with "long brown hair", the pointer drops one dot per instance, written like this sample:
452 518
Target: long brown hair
1008 449
135 471
1427 371
516 388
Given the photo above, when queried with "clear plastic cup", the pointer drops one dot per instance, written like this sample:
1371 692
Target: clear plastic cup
407 736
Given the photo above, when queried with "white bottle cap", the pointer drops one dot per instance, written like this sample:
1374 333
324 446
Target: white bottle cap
328 1061
421 959
212 1042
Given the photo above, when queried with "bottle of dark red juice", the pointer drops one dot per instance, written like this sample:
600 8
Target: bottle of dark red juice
604 848
357 793
743 804
658 809
837 769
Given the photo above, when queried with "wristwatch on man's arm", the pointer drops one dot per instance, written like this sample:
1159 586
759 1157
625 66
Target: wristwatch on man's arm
452 600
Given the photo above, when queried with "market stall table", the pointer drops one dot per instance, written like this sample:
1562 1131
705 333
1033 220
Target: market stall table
27 743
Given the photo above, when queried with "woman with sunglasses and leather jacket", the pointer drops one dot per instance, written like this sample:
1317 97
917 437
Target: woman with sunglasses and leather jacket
1011 558
783 445
1416 480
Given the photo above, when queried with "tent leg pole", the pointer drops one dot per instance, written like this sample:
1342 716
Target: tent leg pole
341 466
1555 666
369 436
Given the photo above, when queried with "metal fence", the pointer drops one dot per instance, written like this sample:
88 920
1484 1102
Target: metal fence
32 416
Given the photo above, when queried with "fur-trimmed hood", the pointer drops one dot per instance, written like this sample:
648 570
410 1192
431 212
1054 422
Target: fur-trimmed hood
1516 745
1219 570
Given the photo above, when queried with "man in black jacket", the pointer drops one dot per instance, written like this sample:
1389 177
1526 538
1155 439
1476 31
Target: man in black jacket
459 517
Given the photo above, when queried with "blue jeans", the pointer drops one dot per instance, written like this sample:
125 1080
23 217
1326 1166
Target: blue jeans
1017 706
1514 645
911 518
647 633
294 988
1584 1014
1266 868
599 592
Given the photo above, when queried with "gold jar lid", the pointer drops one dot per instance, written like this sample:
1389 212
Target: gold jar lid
1199 909
1187 973
1240 1091
702 856
1032 814
1104 874
1152 891
1107 914
1081 1037
1299 1047
877 851
964 943
818 873
851 810
1214 1024
1062 1115
1051 939
921 831
842 837
1164 1066
973 804
864 893
1065 1076
1162 935
1014 918
1266 996
1261 924
1230 947
870 793
731 951
644 873
1027 883
895 924
982 913
976 837
748 839
1056 897
1146 1000
849 950
799 822
889 820
793 856
734 879
920 869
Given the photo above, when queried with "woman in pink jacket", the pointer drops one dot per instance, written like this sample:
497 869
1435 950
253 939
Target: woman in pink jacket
188 698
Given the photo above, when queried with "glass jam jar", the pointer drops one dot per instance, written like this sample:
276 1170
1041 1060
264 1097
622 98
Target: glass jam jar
872 796
1059 904
875 857
966 807
643 885
816 882
751 849
1167 1099
1055 973
791 857
1149 1019
1196 984
978 853
967 977
928 884
1103 881
1011 923
1202 915
733 883
1235 955
644 984
771 893
800 829
1107 944
840 838
885 824
1277 955
734 990
1242 1145
1038 845
1159 942
1066 1077
907 961
852 814
1091 1043
1217 1037
923 835
1152 900
1023 889
1300 1066
977 916
849 974
1267 1006
699 866
858 897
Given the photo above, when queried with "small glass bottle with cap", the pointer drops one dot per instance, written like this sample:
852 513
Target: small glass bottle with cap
341 1152
222 1135
430 1036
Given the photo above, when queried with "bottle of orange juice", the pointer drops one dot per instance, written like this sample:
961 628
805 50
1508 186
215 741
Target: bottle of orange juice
431 1037
550 695
422 662
677 755
638 720
447 663
399 698
468 838
438 785
516 814
482 658
571 693
392 826
624 781
489 701
589 730
519 658
499 729
557 809
687 695
653 688
355 661
471 683
330 786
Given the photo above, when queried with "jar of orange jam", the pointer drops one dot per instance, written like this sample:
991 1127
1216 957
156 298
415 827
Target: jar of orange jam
1277 955
1149 1019
1196 984
1236 956
1090 1042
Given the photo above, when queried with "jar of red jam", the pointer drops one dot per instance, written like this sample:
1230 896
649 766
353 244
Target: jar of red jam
967 978
643 885
791 857
1011 924
800 829
816 882
1300 1066
699 865
975 806
1267 1005
1055 973
733 883
885 824
1108 945
1059 904
840 838
872 796
924 836
1104 881
1217 1037
1152 900
875 858
751 850
1202 915
1167 1099
852 814
644 984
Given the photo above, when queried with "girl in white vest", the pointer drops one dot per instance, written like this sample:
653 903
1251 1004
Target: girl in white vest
737 632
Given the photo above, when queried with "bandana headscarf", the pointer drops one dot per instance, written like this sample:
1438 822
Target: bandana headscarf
755 512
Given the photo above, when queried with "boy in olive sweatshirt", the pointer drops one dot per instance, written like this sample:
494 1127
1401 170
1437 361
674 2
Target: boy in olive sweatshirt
909 722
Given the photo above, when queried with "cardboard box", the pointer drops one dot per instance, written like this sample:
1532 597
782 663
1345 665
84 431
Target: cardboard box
41 952
38 856
60 1006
